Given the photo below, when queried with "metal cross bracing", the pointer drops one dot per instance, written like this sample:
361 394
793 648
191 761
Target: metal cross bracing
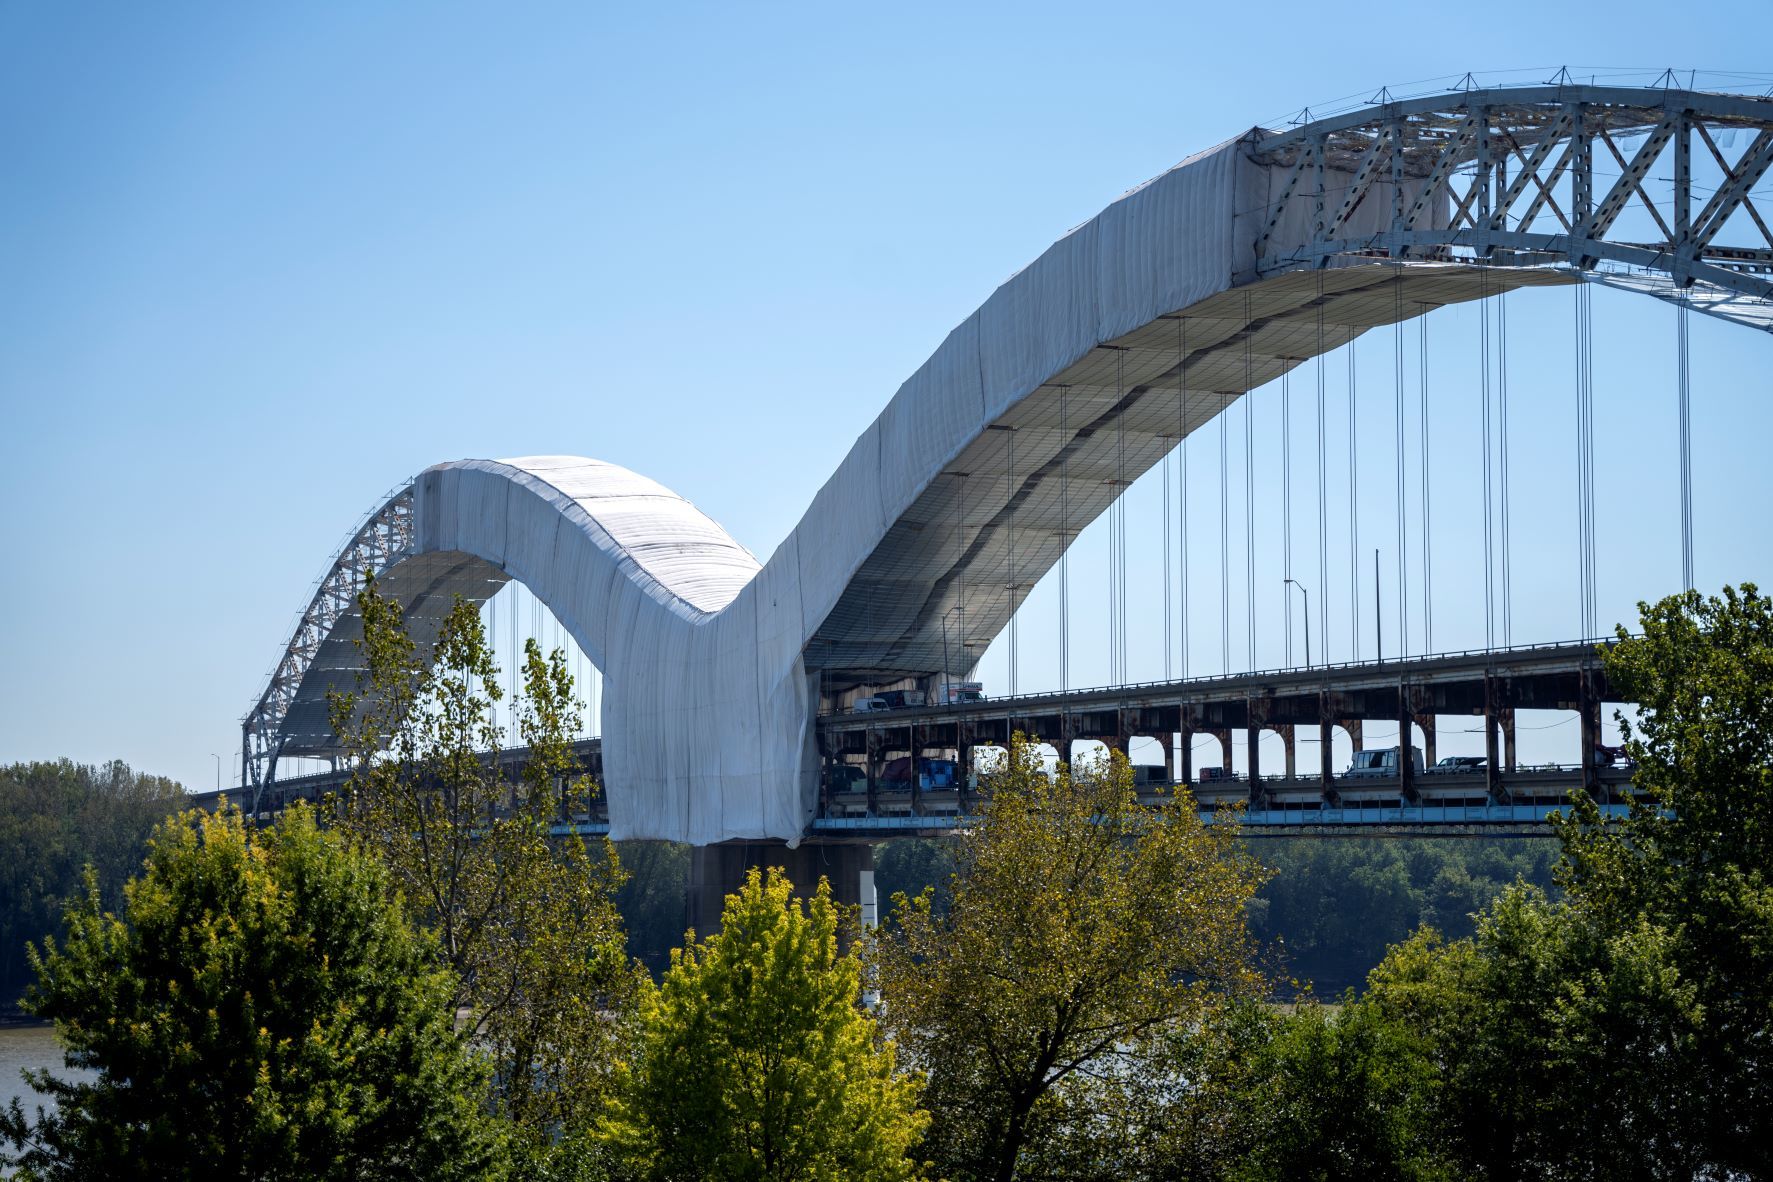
1599 177
384 538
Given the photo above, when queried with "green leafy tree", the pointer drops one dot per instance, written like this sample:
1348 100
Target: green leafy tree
525 920
1542 1021
260 1010
1695 859
1084 928
1646 992
755 1060
55 820
1331 1093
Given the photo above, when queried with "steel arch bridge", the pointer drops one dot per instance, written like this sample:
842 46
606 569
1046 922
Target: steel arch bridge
1077 375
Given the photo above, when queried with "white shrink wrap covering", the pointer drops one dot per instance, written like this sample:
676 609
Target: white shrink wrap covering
708 698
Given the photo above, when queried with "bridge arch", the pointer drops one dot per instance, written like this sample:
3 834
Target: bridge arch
1076 376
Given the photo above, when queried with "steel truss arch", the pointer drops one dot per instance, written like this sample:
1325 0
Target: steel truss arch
383 539
1526 177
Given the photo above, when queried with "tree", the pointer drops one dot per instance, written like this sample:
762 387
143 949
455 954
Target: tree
755 1060
1334 907
1646 992
1320 1093
1695 858
55 819
1084 927
526 922
261 1010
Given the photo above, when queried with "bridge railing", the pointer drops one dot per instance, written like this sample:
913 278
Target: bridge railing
1326 668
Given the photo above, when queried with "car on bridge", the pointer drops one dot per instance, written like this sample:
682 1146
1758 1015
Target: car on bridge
1459 765
1381 763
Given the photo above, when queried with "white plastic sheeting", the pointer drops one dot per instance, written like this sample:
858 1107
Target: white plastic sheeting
711 664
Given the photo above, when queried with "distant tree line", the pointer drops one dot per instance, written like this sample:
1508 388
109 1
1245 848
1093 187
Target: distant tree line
1328 910
56 820
412 982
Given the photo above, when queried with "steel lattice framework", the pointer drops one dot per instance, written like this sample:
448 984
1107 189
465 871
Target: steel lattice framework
384 538
1527 177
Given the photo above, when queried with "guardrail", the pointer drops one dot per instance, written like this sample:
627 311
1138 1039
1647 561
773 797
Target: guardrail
1495 655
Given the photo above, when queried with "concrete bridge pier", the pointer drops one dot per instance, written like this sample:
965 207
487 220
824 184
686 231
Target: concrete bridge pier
717 871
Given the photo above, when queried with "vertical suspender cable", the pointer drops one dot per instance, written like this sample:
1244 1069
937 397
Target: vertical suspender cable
960 591
1182 456
1484 390
1684 381
1010 558
1502 462
1323 503
1120 484
1249 489
1287 510
1427 503
1584 359
492 640
1064 540
1403 522
1594 573
1169 672
1354 515
1224 543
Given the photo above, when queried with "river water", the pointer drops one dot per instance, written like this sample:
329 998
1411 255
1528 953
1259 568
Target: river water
27 1046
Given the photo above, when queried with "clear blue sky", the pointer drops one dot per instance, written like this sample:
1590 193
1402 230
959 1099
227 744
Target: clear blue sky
262 262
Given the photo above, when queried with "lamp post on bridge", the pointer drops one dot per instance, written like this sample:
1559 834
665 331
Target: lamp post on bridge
218 770
947 673
1307 594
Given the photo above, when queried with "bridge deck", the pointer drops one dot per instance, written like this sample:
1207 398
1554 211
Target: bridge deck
864 804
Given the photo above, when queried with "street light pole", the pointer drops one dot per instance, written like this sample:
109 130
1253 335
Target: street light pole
943 687
218 770
1303 590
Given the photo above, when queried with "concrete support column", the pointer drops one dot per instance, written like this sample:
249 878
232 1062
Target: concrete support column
963 756
717 871
1590 710
1507 722
1406 743
1253 751
1285 731
1492 760
1326 749
1223 734
1185 772
872 743
916 737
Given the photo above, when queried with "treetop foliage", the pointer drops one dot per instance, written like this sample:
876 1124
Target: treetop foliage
1083 927
56 818
526 922
260 1010
755 1060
